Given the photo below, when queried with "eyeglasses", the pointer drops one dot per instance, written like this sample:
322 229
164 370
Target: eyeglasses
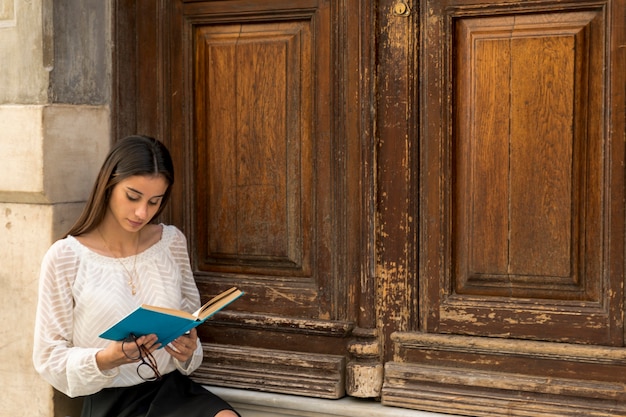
147 369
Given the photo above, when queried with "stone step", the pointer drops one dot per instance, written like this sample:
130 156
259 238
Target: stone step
262 404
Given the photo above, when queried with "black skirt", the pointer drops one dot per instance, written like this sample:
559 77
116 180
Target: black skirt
174 395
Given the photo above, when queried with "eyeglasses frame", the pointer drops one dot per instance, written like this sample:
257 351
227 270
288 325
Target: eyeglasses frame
144 356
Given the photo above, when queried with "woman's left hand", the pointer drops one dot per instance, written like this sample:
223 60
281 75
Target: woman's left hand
184 347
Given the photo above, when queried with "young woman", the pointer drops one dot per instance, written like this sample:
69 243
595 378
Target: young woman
113 259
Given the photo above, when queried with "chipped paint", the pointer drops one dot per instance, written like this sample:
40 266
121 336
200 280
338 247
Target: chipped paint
274 295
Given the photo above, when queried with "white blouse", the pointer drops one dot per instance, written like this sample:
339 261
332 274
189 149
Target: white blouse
83 293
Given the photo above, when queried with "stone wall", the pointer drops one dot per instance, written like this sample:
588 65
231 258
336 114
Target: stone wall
54 132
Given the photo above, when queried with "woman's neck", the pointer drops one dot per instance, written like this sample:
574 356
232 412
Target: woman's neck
119 244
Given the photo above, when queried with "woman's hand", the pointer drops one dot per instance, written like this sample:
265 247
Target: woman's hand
184 347
120 353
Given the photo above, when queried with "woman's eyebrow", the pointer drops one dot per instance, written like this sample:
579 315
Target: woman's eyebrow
140 193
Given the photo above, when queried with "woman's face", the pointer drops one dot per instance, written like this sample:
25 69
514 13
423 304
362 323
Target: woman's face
135 200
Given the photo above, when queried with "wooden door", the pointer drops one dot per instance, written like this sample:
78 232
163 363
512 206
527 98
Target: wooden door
515 141
436 188
265 106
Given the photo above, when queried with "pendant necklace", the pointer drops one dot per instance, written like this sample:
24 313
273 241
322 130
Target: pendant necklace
132 276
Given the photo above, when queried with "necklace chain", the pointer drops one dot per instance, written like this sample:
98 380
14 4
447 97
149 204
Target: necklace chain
132 276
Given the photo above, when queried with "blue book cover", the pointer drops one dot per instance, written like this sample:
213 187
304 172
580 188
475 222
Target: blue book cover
167 323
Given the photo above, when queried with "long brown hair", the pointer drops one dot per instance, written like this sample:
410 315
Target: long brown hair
133 155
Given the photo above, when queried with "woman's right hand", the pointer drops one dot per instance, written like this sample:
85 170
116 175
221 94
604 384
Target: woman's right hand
120 353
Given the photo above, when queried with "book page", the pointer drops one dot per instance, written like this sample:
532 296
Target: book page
170 311
218 302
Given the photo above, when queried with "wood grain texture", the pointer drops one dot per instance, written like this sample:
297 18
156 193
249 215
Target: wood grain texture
262 106
526 170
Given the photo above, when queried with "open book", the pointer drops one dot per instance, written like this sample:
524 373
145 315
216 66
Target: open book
168 323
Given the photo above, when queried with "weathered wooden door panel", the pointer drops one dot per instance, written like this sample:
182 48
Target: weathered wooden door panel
524 176
254 99
521 212
262 216
255 160
528 167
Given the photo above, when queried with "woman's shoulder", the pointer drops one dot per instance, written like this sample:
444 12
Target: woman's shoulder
68 243
169 230
63 250
172 235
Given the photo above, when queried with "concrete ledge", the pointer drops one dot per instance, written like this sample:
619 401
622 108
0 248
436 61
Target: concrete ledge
262 404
